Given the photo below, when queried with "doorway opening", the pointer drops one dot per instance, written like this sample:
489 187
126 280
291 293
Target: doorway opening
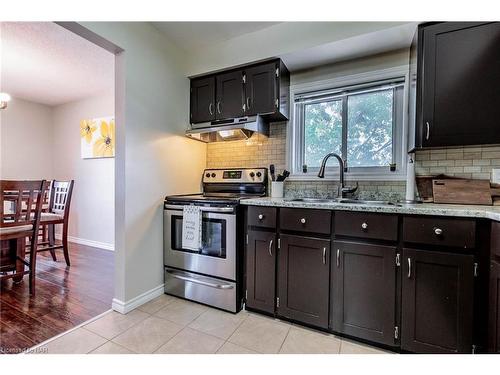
59 126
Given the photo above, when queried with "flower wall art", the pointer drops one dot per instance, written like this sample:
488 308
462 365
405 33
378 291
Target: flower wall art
98 138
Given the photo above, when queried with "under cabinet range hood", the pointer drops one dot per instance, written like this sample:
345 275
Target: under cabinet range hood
229 130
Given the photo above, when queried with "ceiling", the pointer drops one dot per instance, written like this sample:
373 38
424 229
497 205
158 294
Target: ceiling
45 63
211 46
191 35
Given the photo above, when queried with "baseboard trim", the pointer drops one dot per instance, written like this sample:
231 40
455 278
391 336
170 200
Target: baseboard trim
83 241
126 307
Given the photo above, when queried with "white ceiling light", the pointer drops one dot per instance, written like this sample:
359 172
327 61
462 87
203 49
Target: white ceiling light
4 99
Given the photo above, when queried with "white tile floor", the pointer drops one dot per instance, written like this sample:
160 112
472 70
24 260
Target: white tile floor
171 325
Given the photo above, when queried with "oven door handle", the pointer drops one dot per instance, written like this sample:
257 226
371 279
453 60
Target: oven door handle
204 209
194 280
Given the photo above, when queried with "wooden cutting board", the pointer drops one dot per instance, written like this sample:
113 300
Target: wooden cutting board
462 192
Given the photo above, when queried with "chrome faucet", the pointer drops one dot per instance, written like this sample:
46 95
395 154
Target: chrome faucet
343 190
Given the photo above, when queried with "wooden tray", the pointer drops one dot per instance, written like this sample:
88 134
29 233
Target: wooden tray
462 191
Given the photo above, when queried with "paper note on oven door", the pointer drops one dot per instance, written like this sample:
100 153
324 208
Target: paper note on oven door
191 228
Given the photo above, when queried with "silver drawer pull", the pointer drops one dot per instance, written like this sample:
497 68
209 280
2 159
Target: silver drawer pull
409 268
364 226
261 216
303 220
176 275
427 134
324 255
338 258
438 231
271 248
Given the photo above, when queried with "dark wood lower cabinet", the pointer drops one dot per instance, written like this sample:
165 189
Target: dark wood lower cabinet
437 302
303 286
363 300
261 270
494 314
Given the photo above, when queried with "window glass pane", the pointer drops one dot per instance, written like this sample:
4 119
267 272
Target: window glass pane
369 129
322 131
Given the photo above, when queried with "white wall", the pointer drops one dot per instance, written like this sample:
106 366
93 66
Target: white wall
26 141
356 66
153 157
92 205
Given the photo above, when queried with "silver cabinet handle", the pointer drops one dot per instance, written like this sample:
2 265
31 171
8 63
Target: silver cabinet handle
427 135
261 216
409 267
271 248
211 108
324 255
303 220
248 103
364 226
438 231
218 107
338 257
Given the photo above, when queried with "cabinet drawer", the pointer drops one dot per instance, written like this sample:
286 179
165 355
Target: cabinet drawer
439 231
495 238
264 217
366 225
306 220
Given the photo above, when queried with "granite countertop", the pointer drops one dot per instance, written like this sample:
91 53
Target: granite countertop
486 212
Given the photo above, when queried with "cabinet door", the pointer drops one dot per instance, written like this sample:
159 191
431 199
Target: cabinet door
363 302
304 272
261 89
437 309
494 306
261 270
202 99
460 84
229 95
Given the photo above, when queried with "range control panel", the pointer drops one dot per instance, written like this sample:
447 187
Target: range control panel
236 175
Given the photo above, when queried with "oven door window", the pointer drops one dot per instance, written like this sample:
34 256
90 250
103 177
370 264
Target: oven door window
213 237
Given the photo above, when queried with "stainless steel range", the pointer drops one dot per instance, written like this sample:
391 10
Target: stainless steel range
213 274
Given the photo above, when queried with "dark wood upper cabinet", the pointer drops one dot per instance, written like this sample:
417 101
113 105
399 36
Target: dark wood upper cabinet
304 272
437 302
494 309
229 95
363 293
261 270
202 103
458 77
261 89
256 89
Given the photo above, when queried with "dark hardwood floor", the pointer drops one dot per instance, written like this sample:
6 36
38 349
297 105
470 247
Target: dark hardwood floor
65 297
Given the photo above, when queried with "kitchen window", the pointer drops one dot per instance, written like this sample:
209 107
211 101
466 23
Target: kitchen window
364 123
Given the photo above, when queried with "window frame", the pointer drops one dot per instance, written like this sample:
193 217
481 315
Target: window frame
339 86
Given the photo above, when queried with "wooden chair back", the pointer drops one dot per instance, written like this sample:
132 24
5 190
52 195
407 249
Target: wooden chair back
21 202
60 197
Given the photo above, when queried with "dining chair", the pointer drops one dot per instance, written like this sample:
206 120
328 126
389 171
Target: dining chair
57 213
20 204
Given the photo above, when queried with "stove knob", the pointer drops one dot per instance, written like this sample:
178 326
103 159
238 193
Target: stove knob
207 175
213 175
259 174
252 174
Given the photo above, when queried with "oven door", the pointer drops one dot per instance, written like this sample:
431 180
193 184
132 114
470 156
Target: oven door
217 256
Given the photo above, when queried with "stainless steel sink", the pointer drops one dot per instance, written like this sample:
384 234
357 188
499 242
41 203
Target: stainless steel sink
312 200
343 201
